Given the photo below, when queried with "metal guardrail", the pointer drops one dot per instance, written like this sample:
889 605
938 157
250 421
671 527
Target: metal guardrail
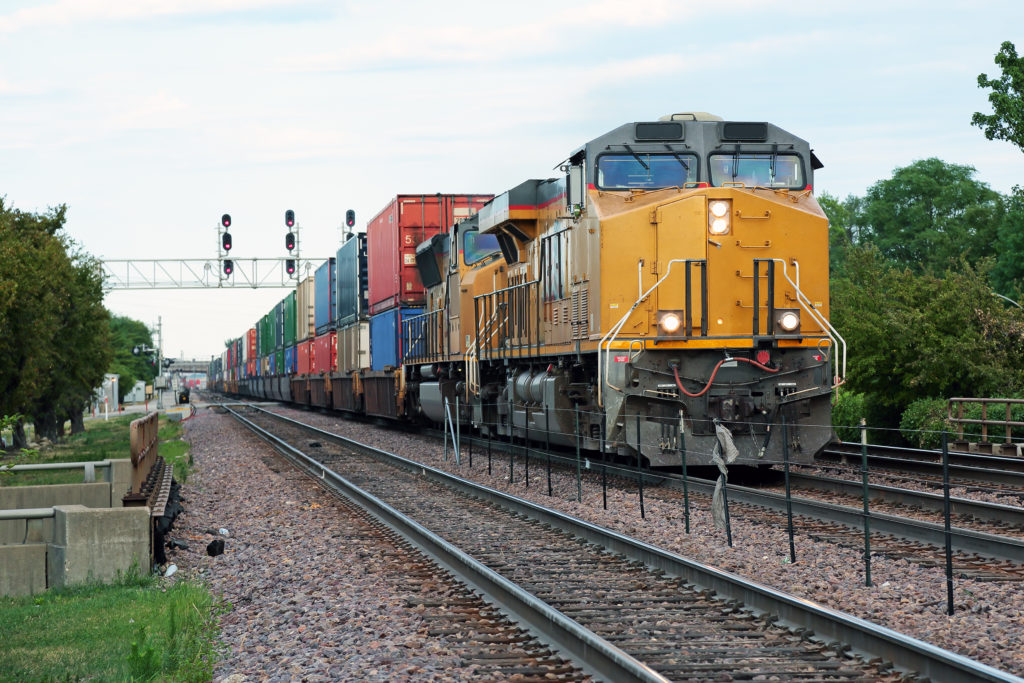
88 475
26 513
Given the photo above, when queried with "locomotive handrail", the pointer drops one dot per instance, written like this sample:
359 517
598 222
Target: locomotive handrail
617 327
832 333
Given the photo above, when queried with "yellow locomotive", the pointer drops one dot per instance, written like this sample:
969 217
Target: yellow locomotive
669 292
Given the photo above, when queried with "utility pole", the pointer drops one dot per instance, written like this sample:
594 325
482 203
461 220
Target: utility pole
159 362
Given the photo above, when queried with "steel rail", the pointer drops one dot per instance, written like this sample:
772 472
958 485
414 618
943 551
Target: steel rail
995 512
977 467
865 638
596 655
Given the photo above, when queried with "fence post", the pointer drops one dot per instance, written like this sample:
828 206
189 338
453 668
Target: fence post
682 457
547 441
789 498
526 442
579 473
948 531
639 468
867 512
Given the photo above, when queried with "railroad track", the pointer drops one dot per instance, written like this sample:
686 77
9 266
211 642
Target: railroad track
621 609
987 473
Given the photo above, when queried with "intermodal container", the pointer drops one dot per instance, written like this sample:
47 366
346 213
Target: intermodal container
272 359
392 236
278 315
305 323
251 351
325 352
325 309
291 360
303 364
386 337
266 335
279 356
353 283
289 319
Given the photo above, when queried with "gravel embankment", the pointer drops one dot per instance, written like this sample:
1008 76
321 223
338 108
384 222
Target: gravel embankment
315 594
988 624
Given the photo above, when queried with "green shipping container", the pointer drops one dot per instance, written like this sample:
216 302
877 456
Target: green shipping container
266 335
289 319
279 362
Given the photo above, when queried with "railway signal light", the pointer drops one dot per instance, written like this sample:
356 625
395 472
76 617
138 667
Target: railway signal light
225 220
289 218
229 267
350 218
226 241
289 265
289 241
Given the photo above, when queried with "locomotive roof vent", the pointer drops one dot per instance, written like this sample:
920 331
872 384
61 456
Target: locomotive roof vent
691 116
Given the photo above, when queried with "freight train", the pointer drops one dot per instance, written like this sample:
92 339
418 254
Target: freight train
666 293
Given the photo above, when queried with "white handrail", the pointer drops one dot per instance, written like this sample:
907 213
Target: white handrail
832 333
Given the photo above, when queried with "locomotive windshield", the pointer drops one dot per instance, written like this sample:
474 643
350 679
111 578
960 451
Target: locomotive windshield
477 247
758 170
642 170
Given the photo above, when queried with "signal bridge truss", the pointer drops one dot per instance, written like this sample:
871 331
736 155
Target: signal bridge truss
254 273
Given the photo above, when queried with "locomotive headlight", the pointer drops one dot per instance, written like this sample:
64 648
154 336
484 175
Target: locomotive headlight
718 217
788 320
670 322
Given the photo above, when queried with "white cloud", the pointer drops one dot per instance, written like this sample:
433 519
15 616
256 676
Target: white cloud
77 11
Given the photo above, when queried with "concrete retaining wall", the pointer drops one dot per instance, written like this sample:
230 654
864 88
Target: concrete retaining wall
90 536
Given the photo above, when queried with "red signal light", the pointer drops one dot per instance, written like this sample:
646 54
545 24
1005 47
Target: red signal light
350 218
289 241
226 241
229 267
225 220
289 265
289 218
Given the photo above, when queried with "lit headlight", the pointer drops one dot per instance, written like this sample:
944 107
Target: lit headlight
670 322
788 321
718 217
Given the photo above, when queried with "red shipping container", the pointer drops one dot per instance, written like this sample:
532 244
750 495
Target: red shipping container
325 353
305 360
250 341
393 234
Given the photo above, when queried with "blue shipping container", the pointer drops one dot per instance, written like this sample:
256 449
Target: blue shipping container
273 364
325 283
385 337
291 360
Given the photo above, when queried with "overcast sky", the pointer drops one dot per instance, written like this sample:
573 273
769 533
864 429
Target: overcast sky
150 119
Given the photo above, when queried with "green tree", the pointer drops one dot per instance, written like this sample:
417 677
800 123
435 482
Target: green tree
917 335
52 345
125 334
930 215
845 228
1006 98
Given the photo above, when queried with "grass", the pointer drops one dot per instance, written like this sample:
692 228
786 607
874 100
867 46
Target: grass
101 440
133 630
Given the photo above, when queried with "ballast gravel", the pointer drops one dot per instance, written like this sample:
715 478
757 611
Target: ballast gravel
295 567
313 596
